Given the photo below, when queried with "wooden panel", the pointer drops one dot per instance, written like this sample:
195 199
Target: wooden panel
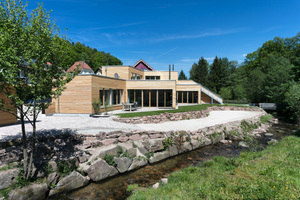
51 109
124 72
106 82
151 84
5 117
77 96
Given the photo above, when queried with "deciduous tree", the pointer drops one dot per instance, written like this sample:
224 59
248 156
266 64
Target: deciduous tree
31 55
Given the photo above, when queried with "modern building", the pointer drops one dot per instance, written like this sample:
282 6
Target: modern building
121 84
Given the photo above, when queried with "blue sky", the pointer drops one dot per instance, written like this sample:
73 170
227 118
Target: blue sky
175 32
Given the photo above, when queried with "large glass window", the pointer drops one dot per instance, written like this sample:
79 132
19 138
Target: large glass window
153 98
168 98
152 77
161 98
179 95
184 97
146 98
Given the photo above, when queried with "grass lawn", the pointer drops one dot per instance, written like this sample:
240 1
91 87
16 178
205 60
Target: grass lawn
180 109
273 173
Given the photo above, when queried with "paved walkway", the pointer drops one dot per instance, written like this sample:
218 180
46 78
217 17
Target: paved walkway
83 124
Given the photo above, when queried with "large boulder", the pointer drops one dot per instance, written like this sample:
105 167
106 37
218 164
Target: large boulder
159 156
137 163
70 182
53 178
173 150
101 170
8 177
122 164
30 192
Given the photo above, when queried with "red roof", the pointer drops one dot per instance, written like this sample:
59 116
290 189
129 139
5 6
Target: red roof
142 65
80 65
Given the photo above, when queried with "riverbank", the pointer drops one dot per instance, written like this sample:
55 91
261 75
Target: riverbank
97 157
269 174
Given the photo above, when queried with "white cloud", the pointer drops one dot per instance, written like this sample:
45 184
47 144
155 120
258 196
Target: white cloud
210 58
189 60
244 55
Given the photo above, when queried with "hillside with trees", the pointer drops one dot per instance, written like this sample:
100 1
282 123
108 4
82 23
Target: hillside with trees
94 58
271 74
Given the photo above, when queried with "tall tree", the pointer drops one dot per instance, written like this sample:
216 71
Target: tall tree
203 71
182 76
195 73
27 44
218 76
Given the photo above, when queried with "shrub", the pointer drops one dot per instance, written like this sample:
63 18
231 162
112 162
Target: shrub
110 160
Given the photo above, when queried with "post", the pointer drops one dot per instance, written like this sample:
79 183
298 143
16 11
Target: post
169 72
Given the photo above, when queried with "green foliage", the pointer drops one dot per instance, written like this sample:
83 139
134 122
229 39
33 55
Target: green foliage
292 100
270 174
94 58
4 192
97 105
21 181
168 141
64 168
199 71
132 187
149 155
265 118
110 160
225 93
134 145
182 76
48 169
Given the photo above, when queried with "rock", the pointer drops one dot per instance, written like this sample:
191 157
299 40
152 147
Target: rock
156 144
108 141
53 164
195 144
110 149
269 135
8 177
164 180
137 163
159 156
70 182
156 185
123 139
243 144
101 170
173 150
53 178
123 164
135 137
30 192
83 158
272 142
186 146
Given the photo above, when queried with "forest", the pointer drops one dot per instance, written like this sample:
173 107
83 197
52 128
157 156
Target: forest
94 58
271 74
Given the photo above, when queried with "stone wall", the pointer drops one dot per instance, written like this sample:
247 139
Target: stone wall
164 117
104 155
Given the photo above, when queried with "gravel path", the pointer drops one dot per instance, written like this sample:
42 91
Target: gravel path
83 124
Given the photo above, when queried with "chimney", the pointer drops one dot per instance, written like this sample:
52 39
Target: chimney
169 72
173 67
105 71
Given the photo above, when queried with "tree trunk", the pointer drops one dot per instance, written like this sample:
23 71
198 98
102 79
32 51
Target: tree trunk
24 142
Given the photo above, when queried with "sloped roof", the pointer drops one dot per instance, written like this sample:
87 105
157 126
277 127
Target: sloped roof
80 65
144 63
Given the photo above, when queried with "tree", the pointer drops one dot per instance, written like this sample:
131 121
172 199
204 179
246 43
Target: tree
195 73
182 76
203 71
218 75
31 55
292 100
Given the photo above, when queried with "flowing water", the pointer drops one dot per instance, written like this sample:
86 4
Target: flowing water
115 187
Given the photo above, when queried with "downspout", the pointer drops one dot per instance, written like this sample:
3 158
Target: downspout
57 103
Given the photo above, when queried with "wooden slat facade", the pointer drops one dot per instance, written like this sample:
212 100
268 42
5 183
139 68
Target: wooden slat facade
5 117
83 89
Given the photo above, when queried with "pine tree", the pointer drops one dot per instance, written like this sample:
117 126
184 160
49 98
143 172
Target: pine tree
182 76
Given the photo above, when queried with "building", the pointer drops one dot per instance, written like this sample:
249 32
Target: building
120 84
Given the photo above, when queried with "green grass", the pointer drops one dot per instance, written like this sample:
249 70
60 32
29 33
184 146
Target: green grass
180 109
265 118
270 174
